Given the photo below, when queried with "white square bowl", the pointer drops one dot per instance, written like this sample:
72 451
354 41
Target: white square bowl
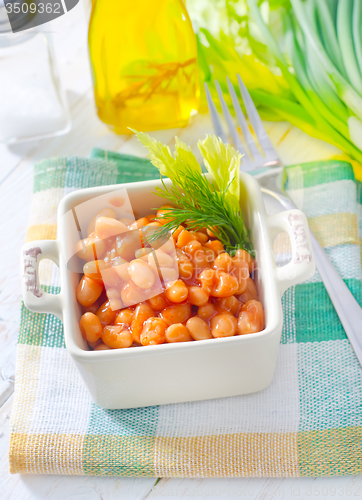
174 373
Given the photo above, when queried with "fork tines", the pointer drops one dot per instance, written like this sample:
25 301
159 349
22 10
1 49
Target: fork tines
253 157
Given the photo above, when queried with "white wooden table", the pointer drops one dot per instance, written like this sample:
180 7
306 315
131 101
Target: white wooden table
16 163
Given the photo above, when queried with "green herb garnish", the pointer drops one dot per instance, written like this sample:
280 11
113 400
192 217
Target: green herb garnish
201 203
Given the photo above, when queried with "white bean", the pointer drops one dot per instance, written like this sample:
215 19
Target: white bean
169 274
169 246
121 268
160 259
141 274
141 252
107 227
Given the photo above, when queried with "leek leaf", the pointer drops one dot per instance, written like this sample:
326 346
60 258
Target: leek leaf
344 32
344 89
326 25
300 59
357 31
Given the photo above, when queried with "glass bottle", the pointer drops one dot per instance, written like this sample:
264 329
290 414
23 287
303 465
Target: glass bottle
144 62
32 100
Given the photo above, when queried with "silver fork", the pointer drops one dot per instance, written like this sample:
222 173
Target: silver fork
270 180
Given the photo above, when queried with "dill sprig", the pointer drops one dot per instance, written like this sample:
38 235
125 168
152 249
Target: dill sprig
200 204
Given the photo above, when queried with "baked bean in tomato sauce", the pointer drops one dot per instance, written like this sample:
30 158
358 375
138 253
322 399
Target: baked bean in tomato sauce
207 293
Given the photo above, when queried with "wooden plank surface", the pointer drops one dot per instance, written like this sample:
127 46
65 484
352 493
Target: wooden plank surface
16 164
259 488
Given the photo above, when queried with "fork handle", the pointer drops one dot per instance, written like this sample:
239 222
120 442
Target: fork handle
346 306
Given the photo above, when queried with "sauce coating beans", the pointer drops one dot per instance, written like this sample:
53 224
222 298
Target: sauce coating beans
88 291
207 311
116 337
107 227
90 327
141 314
198 328
223 325
198 296
91 248
124 317
176 314
106 314
243 255
176 291
188 289
102 347
226 286
106 212
93 269
153 332
251 318
178 333
250 292
159 302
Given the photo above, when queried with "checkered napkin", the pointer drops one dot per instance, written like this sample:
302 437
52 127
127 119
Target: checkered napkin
307 423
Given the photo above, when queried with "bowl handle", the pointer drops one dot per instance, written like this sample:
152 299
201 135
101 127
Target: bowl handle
302 266
35 298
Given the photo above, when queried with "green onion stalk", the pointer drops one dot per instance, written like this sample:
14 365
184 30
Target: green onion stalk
300 59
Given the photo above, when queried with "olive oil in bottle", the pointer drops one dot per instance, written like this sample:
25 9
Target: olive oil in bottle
144 62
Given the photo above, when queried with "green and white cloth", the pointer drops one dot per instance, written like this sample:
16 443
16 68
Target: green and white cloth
308 422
